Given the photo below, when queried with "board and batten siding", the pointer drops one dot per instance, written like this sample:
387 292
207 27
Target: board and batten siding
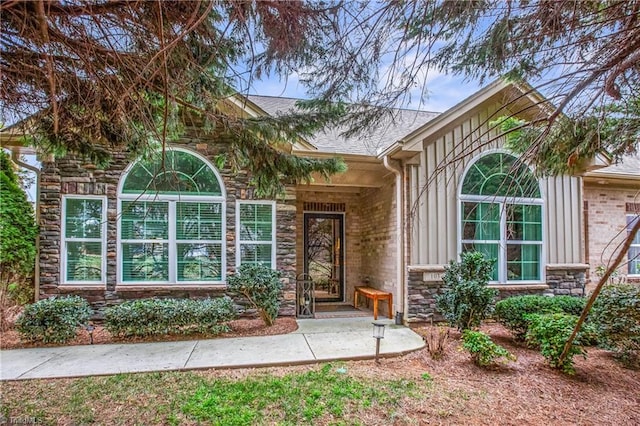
433 197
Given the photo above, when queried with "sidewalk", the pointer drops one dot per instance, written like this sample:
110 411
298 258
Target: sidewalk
316 340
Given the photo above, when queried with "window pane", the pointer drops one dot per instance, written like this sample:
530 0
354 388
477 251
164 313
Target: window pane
256 254
523 262
178 172
199 221
144 220
634 260
500 174
145 262
83 218
199 262
256 222
490 251
524 222
481 221
84 261
631 221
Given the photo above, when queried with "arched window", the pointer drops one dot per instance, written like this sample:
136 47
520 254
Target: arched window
501 216
172 221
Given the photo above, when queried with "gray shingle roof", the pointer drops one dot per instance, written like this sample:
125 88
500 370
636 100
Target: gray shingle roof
389 130
629 166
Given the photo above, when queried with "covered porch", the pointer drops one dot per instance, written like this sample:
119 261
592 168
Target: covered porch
345 238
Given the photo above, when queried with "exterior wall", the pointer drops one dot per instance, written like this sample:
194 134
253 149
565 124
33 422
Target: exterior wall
432 194
72 176
434 218
425 283
379 240
606 210
370 236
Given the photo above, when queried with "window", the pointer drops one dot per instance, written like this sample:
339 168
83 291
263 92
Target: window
256 238
634 250
83 242
171 227
501 216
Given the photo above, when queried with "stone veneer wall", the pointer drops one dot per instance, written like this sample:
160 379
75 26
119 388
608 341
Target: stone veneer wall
425 283
606 210
72 176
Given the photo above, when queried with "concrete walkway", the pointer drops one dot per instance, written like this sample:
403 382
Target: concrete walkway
316 340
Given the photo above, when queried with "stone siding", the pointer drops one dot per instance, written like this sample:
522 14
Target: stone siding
425 283
72 176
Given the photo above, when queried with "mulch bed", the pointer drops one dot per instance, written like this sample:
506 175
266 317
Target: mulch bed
239 328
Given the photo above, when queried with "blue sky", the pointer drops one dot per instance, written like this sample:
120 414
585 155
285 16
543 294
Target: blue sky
444 91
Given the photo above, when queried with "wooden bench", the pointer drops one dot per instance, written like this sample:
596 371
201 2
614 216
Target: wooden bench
375 295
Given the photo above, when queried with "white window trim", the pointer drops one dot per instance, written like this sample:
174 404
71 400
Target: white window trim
632 215
240 242
64 240
172 199
502 244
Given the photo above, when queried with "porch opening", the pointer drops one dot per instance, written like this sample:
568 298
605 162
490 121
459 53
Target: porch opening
324 255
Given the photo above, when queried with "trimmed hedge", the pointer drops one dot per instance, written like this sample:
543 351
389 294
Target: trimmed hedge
513 312
53 320
145 317
616 317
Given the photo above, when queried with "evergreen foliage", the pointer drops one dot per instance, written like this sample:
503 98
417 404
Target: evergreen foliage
18 234
514 312
56 319
261 286
483 350
466 300
616 317
147 317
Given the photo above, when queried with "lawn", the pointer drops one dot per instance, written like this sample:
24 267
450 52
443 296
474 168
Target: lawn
409 390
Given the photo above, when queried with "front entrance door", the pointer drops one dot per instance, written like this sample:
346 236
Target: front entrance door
324 254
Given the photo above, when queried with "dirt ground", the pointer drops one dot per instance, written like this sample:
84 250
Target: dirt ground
523 392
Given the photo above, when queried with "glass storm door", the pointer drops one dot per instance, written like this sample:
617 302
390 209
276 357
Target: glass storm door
324 254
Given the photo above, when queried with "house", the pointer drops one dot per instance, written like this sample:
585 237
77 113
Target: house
611 205
392 221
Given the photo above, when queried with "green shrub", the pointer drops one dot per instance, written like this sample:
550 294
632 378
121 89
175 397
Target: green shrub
616 317
550 332
145 317
261 286
466 299
53 320
482 349
18 234
513 312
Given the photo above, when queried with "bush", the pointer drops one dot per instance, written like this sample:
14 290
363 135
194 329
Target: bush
145 317
18 234
482 349
513 312
616 317
261 286
466 300
53 320
550 332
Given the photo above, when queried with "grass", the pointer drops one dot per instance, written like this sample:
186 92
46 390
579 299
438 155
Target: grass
321 395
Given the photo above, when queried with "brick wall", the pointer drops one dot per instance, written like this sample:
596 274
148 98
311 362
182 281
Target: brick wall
72 176
378 238
606 224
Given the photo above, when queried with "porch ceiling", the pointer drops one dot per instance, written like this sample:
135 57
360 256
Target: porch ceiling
362 172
